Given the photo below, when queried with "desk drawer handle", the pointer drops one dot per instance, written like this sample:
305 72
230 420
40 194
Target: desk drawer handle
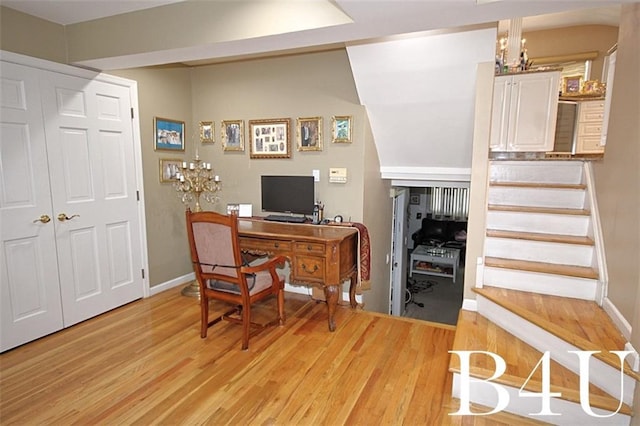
304 268
309 248
276 245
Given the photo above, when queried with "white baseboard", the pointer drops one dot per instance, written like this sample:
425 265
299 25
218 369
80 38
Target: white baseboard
185 279
470 305
623 325
635 357
171 283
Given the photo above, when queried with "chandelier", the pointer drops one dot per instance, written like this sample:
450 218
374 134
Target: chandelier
196 180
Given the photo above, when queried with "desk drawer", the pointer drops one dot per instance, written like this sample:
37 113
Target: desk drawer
309 268
269 246
314 248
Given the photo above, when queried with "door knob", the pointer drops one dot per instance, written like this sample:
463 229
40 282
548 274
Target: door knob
63 216
44 219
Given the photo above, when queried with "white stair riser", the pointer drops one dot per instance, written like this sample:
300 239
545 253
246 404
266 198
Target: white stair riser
539 251
538 222
566 172
571 413
534 282
537 197
601 374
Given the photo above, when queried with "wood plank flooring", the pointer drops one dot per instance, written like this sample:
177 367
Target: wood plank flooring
145 363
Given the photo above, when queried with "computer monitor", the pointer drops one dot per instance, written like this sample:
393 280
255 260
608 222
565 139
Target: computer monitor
288 194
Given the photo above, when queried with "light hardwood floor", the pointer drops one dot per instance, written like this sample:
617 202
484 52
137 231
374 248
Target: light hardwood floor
145 363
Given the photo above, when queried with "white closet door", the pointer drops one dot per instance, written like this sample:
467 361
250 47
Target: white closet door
91 160
29 287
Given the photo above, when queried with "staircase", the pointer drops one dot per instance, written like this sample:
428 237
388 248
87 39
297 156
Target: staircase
542 283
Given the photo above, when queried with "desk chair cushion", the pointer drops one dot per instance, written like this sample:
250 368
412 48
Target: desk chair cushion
255 282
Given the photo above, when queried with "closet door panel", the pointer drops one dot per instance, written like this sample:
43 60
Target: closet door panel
89 132
30 304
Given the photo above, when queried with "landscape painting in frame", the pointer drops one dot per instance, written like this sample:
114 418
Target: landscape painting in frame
169 134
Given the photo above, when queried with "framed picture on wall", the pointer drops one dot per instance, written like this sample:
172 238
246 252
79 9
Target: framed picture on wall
168 134
572 85
232 135
169 168
309 134
341 128
206 132
270 138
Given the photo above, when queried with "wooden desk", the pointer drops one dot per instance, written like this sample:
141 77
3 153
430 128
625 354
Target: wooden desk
321 256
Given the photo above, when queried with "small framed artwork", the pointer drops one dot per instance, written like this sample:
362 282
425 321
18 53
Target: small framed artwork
414 199
341 128
169 134
206 132
169 169
572 85
309 134
232 135
270 138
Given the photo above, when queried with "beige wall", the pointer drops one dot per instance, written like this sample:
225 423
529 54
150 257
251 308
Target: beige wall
378 215
310 85
164 92
620 209
572 40
28 35
476 224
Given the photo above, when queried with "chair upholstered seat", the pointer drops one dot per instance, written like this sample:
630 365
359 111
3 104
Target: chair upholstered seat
255 282
223 275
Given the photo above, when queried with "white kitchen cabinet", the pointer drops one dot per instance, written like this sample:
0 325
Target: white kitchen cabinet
589 127
524 112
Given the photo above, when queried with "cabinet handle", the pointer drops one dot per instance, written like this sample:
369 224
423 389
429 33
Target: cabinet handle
309 248
44 219
276 245
304 268
63 216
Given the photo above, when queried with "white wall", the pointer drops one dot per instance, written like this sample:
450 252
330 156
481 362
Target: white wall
419 92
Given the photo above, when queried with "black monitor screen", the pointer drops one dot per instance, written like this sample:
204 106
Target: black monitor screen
288 194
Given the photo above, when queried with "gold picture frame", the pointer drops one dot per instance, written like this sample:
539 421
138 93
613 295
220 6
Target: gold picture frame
572 85
309 133
341 128
232 134
169 168
270 138
206 132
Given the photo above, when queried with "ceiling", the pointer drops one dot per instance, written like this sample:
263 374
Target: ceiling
355 21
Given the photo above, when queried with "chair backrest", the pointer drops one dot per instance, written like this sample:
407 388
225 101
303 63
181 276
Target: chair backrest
214 244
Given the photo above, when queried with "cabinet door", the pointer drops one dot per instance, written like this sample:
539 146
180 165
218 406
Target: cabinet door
91 159
532 112
500 113
29 288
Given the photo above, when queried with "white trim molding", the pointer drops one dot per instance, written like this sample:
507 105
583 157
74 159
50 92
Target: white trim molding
618 319
444 174
171 283
470 305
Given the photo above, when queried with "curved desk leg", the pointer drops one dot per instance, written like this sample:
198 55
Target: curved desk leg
352 291
331 293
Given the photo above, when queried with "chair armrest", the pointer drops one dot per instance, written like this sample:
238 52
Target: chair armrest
272 263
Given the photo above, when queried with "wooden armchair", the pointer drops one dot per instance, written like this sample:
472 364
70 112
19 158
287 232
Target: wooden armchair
222 274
